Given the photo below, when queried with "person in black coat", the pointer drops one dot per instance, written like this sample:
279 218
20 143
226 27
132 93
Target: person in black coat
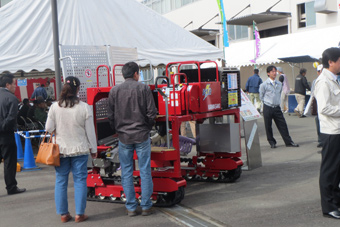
23 111
301 85
8 124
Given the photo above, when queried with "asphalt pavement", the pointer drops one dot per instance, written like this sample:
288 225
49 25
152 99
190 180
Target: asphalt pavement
283 192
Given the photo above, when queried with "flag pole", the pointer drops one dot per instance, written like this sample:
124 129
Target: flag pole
254 44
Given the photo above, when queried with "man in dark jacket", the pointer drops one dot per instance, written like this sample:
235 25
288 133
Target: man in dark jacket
300 92
132 113
39 91
23 111
40 113
8 124
252 87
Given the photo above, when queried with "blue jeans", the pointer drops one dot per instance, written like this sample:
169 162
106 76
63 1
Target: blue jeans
78 166
143 151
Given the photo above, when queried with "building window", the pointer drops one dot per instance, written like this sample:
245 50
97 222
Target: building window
306 14
4 2
236 32
165 6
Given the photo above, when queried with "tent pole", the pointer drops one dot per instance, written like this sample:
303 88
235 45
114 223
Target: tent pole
54 9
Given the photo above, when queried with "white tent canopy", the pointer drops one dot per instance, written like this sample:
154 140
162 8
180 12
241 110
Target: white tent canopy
26 32
311 43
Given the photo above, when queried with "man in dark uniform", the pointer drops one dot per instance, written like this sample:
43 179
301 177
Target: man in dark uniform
301 85
8 124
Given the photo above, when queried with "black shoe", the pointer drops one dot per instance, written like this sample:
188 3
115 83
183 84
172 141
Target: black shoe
319 145
131 213
292 144
334 214
302 116
273 145
319 152
16 191
147 212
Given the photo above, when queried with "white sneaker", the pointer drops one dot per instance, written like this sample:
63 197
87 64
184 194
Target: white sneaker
155 139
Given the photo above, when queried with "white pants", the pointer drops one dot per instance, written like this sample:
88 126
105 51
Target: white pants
284 101
301 103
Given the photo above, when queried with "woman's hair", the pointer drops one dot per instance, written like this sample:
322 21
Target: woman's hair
69 92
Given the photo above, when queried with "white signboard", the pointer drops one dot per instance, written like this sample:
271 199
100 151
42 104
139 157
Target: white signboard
247 109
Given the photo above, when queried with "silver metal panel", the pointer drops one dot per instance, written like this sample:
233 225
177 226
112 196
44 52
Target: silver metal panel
82 62
253 148
85 60
218 138
121 55
101 108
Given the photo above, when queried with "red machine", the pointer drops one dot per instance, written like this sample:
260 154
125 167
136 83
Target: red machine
193 95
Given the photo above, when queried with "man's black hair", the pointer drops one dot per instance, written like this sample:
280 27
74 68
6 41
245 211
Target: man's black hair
42 85
303 70
270 68
6 79
330 54
256 71
129 69
25 101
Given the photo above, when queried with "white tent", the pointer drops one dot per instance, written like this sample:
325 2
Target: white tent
307 43
26 32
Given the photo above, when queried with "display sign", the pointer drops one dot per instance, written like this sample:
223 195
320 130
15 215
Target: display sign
232 81
88 73
22 82
247 109
232 98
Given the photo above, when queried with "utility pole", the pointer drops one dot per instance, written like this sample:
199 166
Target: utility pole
54 9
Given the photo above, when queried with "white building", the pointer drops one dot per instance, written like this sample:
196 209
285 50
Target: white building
288 28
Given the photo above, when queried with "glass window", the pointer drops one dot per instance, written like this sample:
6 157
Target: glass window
166 6
231 32
162 6
244 32
4 2
310 14
185 2
176 4
237 32
157 7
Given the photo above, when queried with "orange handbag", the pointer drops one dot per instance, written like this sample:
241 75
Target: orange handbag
48 153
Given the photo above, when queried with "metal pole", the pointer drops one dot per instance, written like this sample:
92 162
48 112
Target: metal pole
167 122
54 9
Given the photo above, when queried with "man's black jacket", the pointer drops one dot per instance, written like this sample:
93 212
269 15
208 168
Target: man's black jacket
8 112
301 85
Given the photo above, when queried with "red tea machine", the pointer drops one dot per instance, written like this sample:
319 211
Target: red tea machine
190 91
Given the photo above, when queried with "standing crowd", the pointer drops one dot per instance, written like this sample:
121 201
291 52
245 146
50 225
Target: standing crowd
132 113
71 121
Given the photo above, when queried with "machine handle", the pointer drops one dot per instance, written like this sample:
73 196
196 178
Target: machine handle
198 63
178 74
173 86
113 73
108 74
162 77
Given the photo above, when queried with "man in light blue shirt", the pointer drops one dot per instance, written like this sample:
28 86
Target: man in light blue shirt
270 95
